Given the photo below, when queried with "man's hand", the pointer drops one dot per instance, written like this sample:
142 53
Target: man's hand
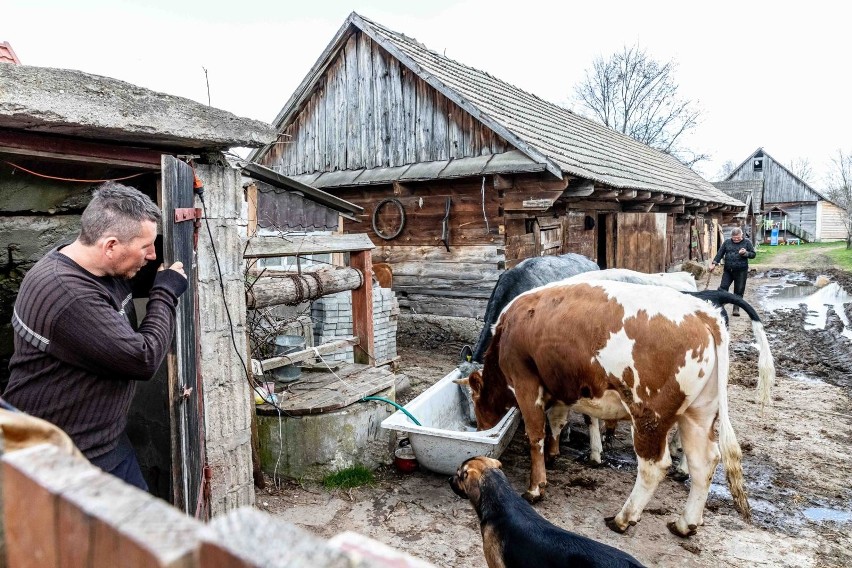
712 265
177 267
743 252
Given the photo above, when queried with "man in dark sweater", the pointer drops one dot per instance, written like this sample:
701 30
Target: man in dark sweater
78 348
736 252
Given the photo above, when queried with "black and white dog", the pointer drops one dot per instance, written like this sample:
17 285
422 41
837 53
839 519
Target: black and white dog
514 535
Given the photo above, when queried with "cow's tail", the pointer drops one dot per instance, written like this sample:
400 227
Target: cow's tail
732 455
765 362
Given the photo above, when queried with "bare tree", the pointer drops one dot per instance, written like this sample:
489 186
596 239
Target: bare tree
840 190
727 168
801 167
636 95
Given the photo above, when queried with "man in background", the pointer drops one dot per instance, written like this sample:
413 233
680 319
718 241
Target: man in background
736 251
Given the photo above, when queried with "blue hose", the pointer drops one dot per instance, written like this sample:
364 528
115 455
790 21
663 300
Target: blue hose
392 403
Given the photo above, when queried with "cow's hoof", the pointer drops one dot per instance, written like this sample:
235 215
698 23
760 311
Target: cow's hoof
592 463
674 530
610 522
532 499
550 462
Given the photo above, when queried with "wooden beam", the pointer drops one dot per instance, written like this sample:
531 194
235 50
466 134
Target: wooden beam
589 205
606 194
270 247
639 196
583 188
291 288
73 150
643 207
251 199
362 308
669 209
503 182
305 354
627 194
666 199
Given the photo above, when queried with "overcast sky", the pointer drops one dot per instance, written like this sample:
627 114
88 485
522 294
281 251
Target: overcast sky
764 73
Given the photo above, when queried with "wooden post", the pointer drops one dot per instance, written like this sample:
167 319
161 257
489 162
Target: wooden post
362 307
251 199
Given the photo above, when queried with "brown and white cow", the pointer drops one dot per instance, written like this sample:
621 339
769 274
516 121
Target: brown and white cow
664 354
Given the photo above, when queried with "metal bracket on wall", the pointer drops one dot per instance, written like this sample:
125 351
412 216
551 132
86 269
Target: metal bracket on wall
193 214
445 225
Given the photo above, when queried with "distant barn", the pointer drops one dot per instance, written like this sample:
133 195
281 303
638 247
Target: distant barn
462 175
799 210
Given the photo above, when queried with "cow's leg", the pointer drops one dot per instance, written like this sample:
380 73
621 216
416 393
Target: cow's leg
609 433
595 440
699 444
681 472
531 402
654 460
557 418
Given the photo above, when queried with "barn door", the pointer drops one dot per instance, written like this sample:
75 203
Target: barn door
185 393
640 242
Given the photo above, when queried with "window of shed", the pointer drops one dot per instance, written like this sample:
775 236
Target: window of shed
758 164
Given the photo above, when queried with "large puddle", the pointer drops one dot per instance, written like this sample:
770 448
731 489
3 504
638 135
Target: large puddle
817 302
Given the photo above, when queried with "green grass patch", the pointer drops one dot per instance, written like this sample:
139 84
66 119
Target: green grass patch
841 257
348 478
836 251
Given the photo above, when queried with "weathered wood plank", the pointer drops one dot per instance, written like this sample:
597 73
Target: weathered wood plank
425 116
486 254
455 135
381 104
353 142
305 354
440 129
409 124
362 308
271 247
395 139
342 114
366 108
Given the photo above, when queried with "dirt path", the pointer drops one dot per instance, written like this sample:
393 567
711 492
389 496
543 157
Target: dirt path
797 460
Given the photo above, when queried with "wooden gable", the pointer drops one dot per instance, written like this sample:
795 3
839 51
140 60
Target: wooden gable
367 110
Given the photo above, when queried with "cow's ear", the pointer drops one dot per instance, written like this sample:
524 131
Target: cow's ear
464 381
475 381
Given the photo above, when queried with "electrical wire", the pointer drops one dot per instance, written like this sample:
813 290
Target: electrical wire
45 176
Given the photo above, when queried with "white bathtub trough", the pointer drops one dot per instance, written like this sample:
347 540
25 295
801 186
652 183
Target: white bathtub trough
446 436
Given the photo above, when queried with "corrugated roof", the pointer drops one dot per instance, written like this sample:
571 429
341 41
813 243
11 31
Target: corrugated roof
7 54
565 143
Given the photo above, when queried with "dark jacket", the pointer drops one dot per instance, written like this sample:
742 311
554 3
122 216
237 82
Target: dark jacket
733 260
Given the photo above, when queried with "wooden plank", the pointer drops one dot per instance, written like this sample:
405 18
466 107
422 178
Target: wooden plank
440 129
305 354
251 199
270 247
425 112
362 308
342 113
33 144
455 133
366 109
381 106
396 123
409 124
319 392
353 140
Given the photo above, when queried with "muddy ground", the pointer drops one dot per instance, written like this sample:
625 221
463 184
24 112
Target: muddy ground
797 462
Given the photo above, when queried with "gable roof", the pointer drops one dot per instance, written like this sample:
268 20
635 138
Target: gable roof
7 54
562 141
742 189
760 150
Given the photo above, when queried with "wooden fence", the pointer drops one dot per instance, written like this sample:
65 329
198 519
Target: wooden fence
59 510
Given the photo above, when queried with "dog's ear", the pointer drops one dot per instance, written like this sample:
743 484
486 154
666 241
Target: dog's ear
491 463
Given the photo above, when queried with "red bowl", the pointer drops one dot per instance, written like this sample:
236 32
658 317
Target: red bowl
404 459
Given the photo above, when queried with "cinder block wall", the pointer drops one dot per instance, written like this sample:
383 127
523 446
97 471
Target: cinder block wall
332 316
228 402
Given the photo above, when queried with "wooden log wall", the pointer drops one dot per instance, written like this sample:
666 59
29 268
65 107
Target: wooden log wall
369 111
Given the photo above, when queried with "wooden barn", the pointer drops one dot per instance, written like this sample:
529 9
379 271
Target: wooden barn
810 215
462 175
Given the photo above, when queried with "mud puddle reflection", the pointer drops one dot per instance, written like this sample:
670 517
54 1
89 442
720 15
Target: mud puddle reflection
818 301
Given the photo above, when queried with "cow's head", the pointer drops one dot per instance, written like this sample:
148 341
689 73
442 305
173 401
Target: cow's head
489 409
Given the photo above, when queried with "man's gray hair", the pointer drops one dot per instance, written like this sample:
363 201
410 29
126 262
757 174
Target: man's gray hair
116 210
736 231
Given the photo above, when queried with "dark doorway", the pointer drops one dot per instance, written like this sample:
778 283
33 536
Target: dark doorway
602 241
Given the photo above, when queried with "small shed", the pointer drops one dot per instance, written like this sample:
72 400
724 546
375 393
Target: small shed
61 133
462 175
811 216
